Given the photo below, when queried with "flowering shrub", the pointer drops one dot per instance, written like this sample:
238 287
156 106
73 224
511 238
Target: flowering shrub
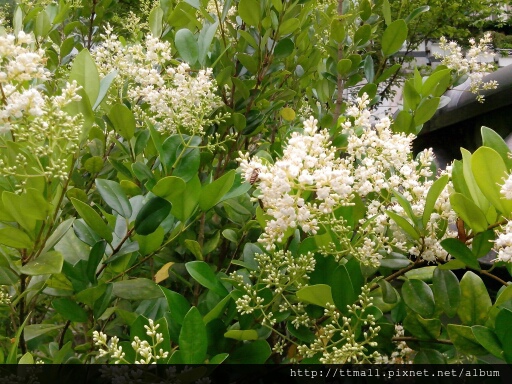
206 194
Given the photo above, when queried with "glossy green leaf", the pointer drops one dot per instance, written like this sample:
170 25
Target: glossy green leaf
185 203
169 188
394 37
187 46
155 21
218 310
445 286
319 294
136 289
92 219
256 352
152 214
475 301
386 11
388 72
432 195
193 339
284 48
404 224
423 329
493 140
469 212
123 120
426 110
105 84
343 66
470 181
34 330
194 247
212 193
203 274
238 334
490 172
487 339
419 297
362 35
15 238
205 40
438 79
463 339
250 12
114 196
70 310
178 305
84 71
461 252
416 12
483 243
48 263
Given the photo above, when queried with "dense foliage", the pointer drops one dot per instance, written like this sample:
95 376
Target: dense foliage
214 187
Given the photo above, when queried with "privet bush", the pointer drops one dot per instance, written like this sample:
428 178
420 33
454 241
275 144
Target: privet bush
218 189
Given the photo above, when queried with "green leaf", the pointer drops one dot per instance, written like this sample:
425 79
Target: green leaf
212 193
193 339
493 140
238 334
429 356
388 72
343 67
256 352
86 74
289 26
92 219
338 32
423 329
284 48
205 40
463 339
105 84
185 203
469 212
461 252
250 12
43 24
319 294
155 21
403 123
151 216
203 274
419 297
483 243
411 96
446 291
27 358
362 35
217 311
469 178
437 81
426 110
394 37
490 173
404 224
369 70
178 305
418 11
114 196
169 188
94 164
386 11
194 247
70 310
48 263
136 289
432 195
187 46
475 301
123 120
487 339
35 330
15 238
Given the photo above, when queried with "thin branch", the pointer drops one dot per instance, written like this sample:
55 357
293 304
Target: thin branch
410 338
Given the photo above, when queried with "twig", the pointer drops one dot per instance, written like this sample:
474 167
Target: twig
410 338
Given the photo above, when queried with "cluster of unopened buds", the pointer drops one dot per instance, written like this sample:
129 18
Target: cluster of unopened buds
148 352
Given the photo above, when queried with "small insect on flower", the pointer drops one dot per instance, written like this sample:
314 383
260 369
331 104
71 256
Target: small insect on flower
254 176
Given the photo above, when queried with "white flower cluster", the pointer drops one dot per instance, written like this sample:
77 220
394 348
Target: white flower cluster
175 99
339 340
19 64
37 121
309 167
469 64
383 163
402 353
506 188
148 352
503 244
282 273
